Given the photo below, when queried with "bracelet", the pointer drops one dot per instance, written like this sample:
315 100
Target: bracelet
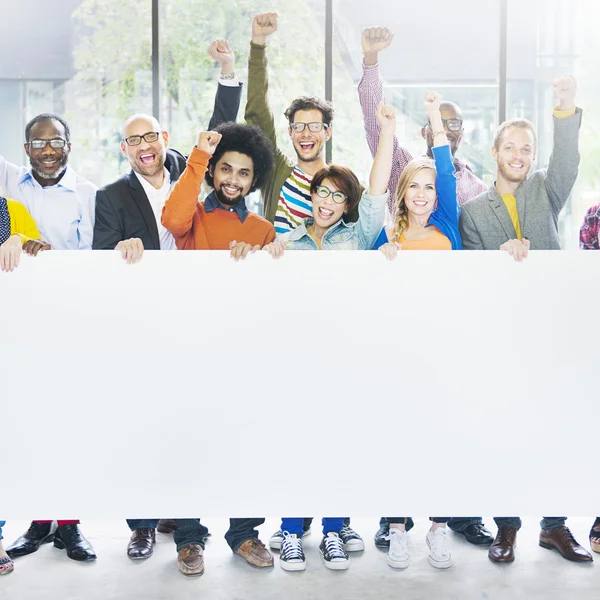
227 75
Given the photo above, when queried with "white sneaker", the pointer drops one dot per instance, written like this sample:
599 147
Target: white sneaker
292 557
398 556
439 548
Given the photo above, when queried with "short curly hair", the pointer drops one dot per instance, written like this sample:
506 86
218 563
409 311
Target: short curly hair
245 139
310 103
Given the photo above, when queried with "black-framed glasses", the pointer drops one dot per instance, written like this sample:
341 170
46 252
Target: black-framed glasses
56 143
136 140
451 124
338 197
315 127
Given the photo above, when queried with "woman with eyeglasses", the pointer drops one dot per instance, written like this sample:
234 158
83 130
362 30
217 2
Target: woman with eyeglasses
18 233
426 208
336 196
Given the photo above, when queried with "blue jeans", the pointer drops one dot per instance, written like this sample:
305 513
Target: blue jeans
2 524
190 531
241 530
408 522
296 525
547 523
455 523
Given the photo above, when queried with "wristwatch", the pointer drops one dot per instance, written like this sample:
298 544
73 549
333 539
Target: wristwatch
227 75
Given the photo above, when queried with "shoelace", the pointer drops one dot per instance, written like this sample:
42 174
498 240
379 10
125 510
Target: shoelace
439 543
144 532
566 533
502 535
189 551
291 547
348 533
333 547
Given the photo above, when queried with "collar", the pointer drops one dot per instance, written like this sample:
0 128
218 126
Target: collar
68 180
301 230
211 203
149 188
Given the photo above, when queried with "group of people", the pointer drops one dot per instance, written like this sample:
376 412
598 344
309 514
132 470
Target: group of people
432 202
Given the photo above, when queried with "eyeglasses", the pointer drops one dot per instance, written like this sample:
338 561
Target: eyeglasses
55 143
136 140
451 124
314 127
338 197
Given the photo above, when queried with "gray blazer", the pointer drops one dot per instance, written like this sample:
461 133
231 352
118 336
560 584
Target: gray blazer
484 221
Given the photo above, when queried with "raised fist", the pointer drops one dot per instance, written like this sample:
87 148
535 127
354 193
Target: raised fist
221 51
376 39
263 26
208 141
565 88
433 100
386 117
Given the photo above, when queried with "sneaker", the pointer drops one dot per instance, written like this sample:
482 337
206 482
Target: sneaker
382 539
292 556
439 551
398 556
332 551
277 538
351 540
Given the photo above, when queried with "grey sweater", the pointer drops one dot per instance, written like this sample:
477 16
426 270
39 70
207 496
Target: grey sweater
484 221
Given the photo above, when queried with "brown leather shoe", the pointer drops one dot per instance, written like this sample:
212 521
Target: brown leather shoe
253 551
190 559
167 526
502 549
562 539
141 543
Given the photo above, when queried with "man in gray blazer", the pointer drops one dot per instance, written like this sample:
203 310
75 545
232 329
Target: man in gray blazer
521 211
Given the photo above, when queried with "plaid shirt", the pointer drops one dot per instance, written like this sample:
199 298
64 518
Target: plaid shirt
588 234
370 94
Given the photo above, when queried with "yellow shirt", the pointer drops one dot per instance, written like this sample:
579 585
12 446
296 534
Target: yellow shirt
509 200
21 222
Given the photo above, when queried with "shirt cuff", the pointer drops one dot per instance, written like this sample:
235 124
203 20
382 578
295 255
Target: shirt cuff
563 114
235 82
371 73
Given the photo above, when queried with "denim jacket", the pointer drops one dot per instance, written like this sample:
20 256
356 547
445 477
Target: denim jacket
344 236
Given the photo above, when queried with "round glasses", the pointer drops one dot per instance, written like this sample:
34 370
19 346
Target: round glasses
338 197
136 140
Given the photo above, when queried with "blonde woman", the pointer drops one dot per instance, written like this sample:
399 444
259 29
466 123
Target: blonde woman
427 211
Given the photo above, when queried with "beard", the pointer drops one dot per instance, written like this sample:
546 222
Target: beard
315 156
225 200
61 167
509 177
149 170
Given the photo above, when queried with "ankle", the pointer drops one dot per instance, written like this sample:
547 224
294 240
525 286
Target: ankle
435 526
398 526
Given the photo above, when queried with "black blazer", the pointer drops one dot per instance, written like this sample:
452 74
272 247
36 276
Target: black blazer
122 208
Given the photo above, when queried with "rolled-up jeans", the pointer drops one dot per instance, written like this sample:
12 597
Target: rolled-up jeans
2 524
295 525
547 523
409 523
189 531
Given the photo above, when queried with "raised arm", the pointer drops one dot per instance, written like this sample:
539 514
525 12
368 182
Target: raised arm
179 209
229 89
445 181
370 95
564 161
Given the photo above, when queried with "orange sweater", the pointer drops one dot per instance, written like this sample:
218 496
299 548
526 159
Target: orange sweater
195 229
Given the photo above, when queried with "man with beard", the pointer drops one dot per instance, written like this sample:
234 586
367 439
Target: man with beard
128 210
235 160
370 94
521 212
60 201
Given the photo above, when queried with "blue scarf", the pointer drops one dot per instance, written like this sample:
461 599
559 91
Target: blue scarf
4 221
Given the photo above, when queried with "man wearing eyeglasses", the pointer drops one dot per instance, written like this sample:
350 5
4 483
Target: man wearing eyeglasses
370 94
128 211
60 201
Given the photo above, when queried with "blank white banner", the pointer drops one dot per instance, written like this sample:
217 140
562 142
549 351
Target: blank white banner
325 383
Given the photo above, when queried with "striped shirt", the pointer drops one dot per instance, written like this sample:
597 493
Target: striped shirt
295 202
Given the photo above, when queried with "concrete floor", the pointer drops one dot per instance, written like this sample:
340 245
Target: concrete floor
537 573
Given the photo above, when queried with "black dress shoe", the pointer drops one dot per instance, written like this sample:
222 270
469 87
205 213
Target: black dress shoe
141 543
381 536
477 534
69 538
31 540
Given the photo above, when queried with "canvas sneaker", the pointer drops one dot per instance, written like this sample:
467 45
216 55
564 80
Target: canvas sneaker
277 538
398 556
351 540
291 557
439 548
332 551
